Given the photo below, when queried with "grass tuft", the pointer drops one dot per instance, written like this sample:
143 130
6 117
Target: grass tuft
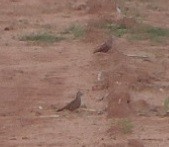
126 126
158 32
147 32
166 104
115 29
42 37
77 31
139 32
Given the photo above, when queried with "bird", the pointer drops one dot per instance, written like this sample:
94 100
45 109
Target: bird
73 105
106 46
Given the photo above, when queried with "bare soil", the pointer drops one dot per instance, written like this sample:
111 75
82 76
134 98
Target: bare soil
38 78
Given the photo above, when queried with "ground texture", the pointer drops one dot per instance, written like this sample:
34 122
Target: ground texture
37 78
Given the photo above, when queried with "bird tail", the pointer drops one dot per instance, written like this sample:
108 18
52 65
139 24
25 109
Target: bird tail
95 51
61 109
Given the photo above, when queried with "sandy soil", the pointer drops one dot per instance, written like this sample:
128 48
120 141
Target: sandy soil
37 79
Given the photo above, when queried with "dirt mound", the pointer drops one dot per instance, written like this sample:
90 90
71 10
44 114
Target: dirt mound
123 79
119 104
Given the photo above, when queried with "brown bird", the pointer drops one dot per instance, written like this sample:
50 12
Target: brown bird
106 46
73 105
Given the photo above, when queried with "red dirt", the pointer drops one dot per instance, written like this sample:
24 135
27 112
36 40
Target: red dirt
36 79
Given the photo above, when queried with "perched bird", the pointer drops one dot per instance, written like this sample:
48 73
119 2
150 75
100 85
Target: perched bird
73 105
106 46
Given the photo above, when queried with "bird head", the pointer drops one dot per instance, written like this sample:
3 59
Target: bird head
79 94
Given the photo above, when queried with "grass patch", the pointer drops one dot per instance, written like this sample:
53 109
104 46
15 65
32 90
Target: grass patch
42 37
115 29
139 32
126 126
157 32
166 104
77 31
149 32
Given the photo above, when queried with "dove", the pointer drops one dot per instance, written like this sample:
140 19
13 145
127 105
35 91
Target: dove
73 105
106 46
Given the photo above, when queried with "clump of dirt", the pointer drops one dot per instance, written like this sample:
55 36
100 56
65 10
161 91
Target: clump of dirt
119 103
122 74
123 79
140 106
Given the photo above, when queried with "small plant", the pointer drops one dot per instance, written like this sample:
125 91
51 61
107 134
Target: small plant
42 37
76 30
166 104
157 32
125 125
154 6
117 30
144 32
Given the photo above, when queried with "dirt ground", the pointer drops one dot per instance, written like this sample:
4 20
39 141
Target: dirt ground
38 78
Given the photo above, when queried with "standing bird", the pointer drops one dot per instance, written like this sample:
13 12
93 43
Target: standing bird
106 46
73 105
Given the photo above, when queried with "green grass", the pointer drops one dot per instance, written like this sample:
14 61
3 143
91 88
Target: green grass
139 32
157 32
115 29
147 32
166 104
76 30
42 37
125 125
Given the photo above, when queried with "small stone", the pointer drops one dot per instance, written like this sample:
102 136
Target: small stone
40 107
161 90
13 138
24 138
6 29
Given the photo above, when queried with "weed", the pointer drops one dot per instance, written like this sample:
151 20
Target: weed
158 32
115 29
76 30
125 125
153 7
42 37
140 32
152 33
166 104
